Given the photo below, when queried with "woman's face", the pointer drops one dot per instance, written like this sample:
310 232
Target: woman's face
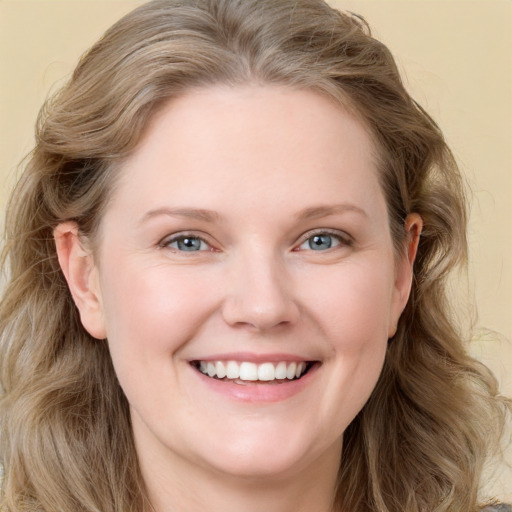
247 242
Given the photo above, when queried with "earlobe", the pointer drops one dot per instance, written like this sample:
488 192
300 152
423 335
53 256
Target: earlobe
404 274
80 271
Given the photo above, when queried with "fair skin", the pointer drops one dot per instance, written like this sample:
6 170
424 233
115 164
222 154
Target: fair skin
248 227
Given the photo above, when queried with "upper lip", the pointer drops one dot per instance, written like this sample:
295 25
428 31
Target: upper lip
253 357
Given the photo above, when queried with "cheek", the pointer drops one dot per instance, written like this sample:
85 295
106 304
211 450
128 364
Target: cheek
352 303
354 316
152 311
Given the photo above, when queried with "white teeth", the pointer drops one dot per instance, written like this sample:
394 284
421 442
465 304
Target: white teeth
232 370
221 369
290 371
251 371
266 371
281 370
248 371
210 369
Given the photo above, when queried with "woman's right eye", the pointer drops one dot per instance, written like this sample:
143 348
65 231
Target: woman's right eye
186 243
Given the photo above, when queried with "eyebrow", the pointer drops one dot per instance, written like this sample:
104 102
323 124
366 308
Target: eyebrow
188 213
204 215
316 212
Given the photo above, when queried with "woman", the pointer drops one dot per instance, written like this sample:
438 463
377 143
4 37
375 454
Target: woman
227 265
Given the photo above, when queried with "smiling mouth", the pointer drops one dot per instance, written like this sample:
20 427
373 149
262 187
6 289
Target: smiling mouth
248 372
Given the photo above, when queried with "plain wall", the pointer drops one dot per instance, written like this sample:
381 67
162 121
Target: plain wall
456 57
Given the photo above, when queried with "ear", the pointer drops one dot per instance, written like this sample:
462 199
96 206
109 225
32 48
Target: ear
404 269
80 271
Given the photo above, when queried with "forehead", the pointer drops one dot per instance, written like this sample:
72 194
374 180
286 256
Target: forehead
254 143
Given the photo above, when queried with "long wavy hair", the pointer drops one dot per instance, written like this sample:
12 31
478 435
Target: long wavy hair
419 443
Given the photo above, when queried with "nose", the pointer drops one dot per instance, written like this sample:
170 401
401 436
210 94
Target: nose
260 295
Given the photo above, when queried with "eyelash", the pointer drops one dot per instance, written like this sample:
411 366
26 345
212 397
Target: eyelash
342 239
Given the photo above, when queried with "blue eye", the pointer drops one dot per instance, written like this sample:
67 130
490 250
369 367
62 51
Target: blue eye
321 242
187 243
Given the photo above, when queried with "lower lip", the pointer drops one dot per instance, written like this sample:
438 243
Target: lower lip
258 391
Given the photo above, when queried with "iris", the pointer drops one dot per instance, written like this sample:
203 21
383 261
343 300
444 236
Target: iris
187 243
320 242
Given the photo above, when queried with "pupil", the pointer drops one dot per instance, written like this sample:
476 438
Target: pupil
320 242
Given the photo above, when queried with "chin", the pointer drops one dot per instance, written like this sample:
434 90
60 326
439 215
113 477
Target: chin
261 468
267 456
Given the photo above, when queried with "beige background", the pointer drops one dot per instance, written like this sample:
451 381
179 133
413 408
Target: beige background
456 57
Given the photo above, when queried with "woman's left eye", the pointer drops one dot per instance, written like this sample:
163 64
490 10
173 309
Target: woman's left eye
321 242
187 243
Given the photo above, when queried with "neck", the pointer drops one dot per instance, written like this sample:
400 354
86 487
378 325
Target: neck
176 484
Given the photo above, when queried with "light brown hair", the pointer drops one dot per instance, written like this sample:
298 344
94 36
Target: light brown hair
417 445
